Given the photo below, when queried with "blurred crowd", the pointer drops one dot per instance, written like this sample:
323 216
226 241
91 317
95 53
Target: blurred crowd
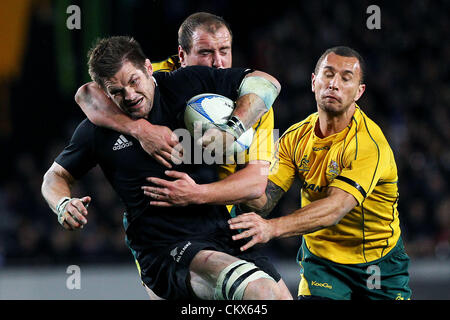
407 94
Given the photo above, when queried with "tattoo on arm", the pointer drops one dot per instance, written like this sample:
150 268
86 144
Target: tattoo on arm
273 195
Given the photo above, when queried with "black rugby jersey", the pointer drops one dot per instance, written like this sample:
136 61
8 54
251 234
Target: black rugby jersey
126 165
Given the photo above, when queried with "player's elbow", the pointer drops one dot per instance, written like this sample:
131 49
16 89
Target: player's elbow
257 191
277 84
86 94
339 211
268 77
89 99
333 219
258 187
82 93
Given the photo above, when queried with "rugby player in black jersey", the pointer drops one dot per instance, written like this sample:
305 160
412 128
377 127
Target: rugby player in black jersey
204 39
183 253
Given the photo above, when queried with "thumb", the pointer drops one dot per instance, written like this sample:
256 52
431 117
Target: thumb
175 174
173 138
86 200
200 142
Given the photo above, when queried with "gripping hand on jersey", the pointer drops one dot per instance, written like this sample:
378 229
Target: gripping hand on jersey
255 227
180 192
160 143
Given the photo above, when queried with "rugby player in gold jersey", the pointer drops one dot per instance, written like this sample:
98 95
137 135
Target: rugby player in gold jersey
349 221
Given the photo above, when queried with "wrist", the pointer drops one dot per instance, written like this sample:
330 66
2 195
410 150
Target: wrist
236 126
61 208
274 228
139 127
201 194
61 205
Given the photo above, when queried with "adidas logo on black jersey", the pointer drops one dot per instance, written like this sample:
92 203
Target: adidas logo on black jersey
121 143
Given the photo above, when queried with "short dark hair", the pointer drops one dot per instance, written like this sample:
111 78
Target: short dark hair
107 56
200 19
343 51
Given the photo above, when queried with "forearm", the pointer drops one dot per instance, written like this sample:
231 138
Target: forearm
249 109
243 185
255 99
54 188
103 112
317 215
112 117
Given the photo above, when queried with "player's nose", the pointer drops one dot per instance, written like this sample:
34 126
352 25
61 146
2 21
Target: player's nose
334 83
218 61
129 94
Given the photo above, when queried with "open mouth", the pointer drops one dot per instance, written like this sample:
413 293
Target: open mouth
134 105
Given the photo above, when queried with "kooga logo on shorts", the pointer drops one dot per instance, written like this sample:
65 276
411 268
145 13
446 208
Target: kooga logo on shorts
323 285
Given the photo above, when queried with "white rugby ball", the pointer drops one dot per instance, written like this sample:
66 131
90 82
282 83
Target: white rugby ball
210 108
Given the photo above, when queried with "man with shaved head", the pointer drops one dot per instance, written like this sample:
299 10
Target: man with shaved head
352 248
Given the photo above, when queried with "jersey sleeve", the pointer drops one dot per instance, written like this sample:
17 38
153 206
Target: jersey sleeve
78 156
363 166
170 64
282 170
187 82
227 81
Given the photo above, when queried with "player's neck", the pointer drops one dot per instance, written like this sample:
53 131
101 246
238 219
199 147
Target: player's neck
330 124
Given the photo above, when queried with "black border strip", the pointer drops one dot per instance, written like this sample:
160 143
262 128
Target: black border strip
353 184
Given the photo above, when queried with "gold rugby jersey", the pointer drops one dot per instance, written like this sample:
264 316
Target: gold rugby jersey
357 160
262 144
170 64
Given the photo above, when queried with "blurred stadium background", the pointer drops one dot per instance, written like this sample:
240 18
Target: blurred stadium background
42 63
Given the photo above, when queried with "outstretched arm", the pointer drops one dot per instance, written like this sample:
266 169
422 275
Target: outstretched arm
317 215
243 185
158 141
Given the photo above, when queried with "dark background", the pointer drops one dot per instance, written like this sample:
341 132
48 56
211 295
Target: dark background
407 94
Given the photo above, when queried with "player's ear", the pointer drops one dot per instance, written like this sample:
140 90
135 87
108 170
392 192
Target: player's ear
359 93
148 66
182 56
313 82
